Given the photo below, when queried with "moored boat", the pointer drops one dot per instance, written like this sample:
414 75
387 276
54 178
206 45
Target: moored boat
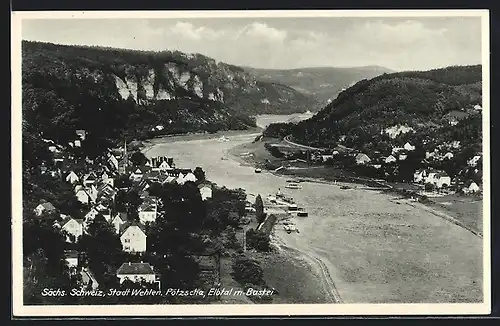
293 185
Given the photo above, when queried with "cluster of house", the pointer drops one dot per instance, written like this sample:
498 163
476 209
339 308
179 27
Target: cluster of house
427 176
134 272
95 188
437 178
397 154
77 142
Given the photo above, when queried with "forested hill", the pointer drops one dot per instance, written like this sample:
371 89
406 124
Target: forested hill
430 109
323 83
112 91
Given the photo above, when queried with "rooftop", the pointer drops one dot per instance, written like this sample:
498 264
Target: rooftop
71 254
128 224
135 269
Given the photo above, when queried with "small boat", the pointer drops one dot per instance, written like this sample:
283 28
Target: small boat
271 199
302 214
345 187
293 185
257 170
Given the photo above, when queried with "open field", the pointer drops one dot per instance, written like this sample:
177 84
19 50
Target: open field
375 250
466 209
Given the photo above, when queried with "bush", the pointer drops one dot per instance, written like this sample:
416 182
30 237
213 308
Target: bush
429 187
231 241
257 240
247 270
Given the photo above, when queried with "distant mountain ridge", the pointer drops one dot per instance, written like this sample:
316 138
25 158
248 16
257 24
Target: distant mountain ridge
324 83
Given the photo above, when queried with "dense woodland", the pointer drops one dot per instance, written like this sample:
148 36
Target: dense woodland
67 88
73 87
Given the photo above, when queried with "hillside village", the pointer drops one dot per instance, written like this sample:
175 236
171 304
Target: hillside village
118 191
431 168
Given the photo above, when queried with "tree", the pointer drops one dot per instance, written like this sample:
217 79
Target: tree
257 240
123 181
138 158
39 276
225 208
259 209
127 201
199 174
178 229
247 270
104 250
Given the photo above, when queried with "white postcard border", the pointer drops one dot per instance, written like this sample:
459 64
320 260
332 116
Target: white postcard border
20 310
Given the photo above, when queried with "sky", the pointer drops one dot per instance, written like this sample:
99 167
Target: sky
412 43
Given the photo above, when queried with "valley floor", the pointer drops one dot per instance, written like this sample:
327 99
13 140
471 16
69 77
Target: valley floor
468 210
374 249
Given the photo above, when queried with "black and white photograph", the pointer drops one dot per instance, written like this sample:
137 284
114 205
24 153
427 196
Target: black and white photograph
250 163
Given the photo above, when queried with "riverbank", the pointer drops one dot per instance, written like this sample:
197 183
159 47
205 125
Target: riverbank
148 144
465 211
375 250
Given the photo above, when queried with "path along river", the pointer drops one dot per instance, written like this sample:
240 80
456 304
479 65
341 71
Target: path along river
374 249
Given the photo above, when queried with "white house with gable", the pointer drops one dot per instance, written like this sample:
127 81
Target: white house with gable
205 191
91 214
438 178
190 177
133 237
409 147
137 175
118 220
390 159
73 227
147 213
72 177
362 158
164 166
82 196
471 188
180 179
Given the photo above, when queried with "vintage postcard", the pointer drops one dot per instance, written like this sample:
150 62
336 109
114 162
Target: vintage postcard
225 163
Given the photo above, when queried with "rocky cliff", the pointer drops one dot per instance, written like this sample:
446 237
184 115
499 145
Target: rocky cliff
184 92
